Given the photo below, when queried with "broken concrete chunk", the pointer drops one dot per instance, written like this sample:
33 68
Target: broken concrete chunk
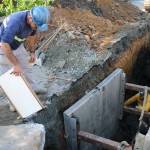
61 64
89 1
116 4
139 141
94 36
70 35
87 37
22 137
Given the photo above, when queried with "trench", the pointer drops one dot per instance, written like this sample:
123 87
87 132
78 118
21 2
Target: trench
140 75
131 54
135 62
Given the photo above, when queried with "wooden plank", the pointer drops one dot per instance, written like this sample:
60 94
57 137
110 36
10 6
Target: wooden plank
26 82
20 94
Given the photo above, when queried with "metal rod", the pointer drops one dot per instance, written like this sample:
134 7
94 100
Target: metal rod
135 111
100 141
136 87
143 107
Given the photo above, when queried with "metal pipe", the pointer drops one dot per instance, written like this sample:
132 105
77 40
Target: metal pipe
136 87
135 111
100 141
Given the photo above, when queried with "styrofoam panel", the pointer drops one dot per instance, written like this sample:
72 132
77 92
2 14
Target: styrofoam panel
19 94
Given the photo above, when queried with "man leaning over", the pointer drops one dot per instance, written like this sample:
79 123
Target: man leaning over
13 32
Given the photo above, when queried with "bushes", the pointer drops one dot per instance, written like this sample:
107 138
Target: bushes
9 6
2 11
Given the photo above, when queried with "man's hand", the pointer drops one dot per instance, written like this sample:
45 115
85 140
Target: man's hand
33 57
17 70
32 41
9 54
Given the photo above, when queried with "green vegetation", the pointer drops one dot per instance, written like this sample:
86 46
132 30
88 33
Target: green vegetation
9 6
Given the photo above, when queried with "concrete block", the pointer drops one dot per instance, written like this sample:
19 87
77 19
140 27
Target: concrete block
22 137
139 141
147 141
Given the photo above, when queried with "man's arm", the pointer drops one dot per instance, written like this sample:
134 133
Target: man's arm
32 42
9 54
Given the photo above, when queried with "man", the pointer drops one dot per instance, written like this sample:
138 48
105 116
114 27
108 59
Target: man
13 32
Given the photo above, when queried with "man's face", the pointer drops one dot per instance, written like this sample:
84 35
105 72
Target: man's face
32 23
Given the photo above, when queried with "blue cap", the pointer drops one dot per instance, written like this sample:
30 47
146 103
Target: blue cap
41 17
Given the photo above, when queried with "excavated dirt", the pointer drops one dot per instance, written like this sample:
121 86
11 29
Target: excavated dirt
90 28
96 20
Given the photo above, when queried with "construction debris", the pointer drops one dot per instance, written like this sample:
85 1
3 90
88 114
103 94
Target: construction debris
40 55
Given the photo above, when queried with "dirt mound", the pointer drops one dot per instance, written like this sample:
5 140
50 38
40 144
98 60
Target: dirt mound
109 9
96 20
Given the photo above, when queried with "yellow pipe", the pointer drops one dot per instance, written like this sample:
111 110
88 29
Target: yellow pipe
140 102
132 99
147 106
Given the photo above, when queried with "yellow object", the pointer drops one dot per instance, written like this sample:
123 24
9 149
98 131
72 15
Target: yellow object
140 102
134 99
147 106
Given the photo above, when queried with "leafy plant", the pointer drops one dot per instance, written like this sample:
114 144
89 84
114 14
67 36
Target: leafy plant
2 11
9 6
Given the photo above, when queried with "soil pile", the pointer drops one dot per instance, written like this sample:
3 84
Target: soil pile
97 20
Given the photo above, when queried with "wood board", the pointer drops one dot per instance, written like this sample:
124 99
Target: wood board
20 94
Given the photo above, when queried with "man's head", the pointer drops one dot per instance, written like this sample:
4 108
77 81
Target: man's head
39 18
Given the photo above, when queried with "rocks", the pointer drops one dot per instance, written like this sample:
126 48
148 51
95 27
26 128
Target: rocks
87 37
70 35
89 1
95 36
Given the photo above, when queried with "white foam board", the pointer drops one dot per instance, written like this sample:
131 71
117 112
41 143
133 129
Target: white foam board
20 94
